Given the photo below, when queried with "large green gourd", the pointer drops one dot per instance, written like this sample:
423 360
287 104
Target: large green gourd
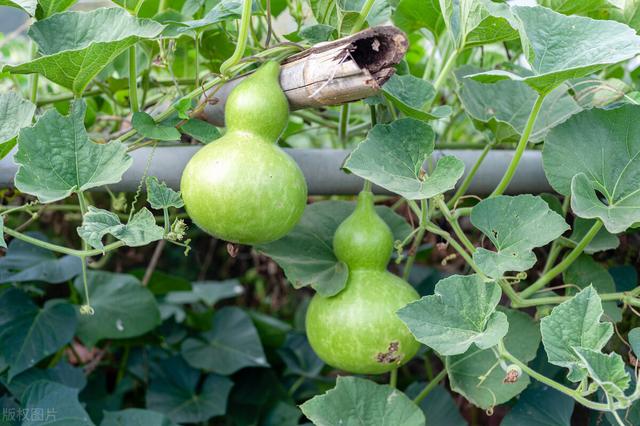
357 330
243 188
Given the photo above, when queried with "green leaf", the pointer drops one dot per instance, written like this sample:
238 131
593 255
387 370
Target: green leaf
56 158
504 107
585 271
575 323
123 308
299 357
412 15
230 345
62 373
392 156
59 401
175 391
15 113
129 5
478 22
467 371
317 33
580 7
515 226
29 334
461 312
540 405
200 130
412 95
438 406
604 240
634 340
29 6
135 417
306 253
207 292
576 47
139 231
100 36
223 11
360 401
147 127
160 196
606 370
47 8
595 155
27 262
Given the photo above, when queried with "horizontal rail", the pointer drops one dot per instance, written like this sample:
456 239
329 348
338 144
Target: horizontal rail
322 170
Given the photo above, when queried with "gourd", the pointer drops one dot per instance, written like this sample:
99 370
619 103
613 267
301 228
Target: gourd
242 187
357 330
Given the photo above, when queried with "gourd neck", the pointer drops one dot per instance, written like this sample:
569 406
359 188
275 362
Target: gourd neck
363 240
258 105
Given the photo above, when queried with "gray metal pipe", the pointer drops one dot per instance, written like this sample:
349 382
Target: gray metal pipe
322 169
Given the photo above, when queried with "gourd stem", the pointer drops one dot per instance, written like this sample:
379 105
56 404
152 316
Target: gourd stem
33 95
362 17
430 386
243 34
366 187
462 190
343 129
413 251
446 69
556 246
133 80
393 378
522 145
454 224
566 262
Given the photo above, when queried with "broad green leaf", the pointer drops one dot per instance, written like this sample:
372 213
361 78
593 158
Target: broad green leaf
478 22
413 15
467 371
392 156
438 406
299 357
123 308
56 157
575 323
135 417
412 96
28 6
363 402
222 11
231 344
504 107
139 231
200 130
59 401
306 253
129 5
99 37
15 113
62 373
604 240
314 34
160 196
29 334
176 392
207 292
576 47
462 312
26 262
585 271
627 12
47 8
606 370
540 405
579 7
594 157
147 127
515 226
634 340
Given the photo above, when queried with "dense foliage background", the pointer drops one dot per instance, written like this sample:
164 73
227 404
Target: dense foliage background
115 309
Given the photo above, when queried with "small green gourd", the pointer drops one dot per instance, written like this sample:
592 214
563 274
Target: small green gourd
358 330
242 187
